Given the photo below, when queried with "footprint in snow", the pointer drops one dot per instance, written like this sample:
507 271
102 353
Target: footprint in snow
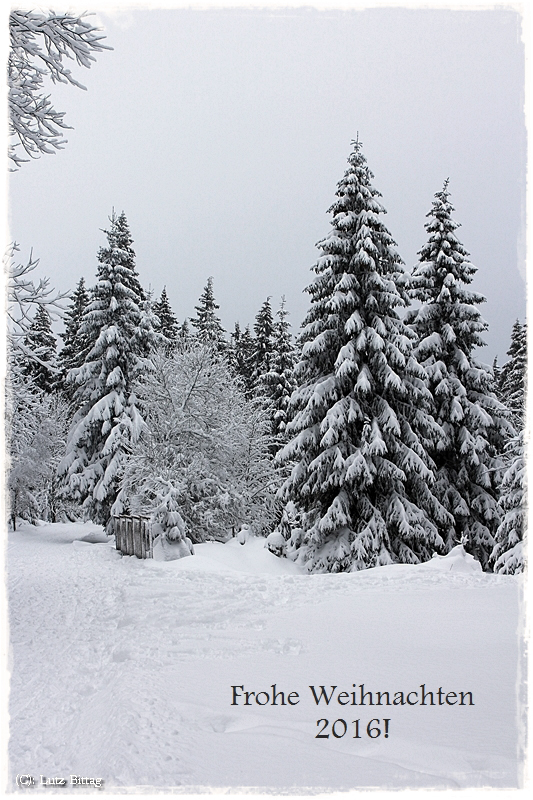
290 647
220 724
85 691
121 655
125 621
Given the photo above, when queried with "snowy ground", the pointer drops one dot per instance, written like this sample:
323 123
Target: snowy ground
122 669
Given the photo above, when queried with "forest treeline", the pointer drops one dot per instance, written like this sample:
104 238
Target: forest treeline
373 436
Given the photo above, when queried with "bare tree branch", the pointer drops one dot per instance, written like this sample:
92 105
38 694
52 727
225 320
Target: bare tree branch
24 295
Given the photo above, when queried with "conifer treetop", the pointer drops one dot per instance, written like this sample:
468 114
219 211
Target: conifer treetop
513 374
263 344
444 263
167 323
41 364
73 345
207 324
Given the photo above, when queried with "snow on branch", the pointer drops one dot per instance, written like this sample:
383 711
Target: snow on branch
39 45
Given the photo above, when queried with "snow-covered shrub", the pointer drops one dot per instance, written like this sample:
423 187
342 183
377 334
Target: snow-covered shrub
166 513
169 524
36 432
276 543
243 534
206 440
287 536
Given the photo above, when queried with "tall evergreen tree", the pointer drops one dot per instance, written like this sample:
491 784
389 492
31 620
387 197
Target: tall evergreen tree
242 351
167 323
512 378
108 418
184 332
40 363
508 554
360 472
280 381
449 327
74 347
264 332
207 324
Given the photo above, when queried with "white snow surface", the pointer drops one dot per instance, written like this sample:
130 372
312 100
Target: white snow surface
123 669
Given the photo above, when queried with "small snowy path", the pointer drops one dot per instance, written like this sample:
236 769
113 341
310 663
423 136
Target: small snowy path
122 669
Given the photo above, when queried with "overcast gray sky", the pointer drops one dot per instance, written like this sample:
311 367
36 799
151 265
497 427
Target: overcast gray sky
222 135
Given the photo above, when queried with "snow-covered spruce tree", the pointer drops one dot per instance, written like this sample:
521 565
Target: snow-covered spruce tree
108 418
207 324
147 336
473 423
241 357
204 448
279 381
167 323
263 347
40 363
512 377
74 345
40 44
508 555
360 479
184 331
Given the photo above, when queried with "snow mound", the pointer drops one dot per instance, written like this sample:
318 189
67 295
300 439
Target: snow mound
457 560
254 557
96 537
251 558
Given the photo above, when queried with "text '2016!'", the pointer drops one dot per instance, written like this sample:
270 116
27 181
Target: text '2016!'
358 695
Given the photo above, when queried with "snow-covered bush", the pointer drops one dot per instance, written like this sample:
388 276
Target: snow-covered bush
168 524
206 441
36 426
276 543
286 539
